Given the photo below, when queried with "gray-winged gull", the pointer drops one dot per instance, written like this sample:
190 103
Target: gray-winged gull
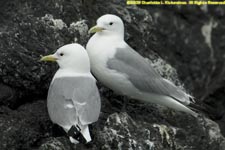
122 69
73 99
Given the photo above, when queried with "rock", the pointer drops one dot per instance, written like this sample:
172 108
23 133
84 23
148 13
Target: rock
56 144
21 46
7 95
29 127
123 132
25 127
194 51
186 38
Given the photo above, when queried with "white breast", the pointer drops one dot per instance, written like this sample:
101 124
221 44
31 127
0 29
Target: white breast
70 73
100 49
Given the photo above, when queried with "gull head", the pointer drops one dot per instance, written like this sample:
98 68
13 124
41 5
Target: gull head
71 56
109 24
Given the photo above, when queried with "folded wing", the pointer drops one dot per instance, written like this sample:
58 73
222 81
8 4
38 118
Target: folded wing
73 99
143 76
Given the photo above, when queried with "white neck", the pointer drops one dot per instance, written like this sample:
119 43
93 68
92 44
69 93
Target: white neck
112 35
70 73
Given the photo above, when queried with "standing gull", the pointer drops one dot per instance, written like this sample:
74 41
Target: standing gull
122 69
73 99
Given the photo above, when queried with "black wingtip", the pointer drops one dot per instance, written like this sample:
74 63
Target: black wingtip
207 110
75 133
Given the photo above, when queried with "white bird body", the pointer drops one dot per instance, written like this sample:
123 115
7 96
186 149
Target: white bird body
123 70
117 81
73 100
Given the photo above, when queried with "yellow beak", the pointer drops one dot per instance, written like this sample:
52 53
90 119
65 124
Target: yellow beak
96 29
48 58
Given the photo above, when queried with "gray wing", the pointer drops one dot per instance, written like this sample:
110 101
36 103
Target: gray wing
142 75
73 98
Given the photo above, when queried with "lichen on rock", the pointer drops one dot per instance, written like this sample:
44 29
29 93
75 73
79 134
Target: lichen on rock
178 41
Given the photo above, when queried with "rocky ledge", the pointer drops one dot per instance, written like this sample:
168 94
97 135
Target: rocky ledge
188 38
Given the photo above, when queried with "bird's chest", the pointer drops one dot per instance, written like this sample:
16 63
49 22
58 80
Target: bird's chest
114 80
101 71
99 54
101 48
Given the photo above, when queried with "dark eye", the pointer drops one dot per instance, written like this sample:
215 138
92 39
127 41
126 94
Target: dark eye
61 54
111 23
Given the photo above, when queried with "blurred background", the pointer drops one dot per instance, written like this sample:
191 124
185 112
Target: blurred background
187 42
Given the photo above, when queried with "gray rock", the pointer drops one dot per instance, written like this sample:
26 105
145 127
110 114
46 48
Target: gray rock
56 144
7 95
24 127
123 132
187 38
